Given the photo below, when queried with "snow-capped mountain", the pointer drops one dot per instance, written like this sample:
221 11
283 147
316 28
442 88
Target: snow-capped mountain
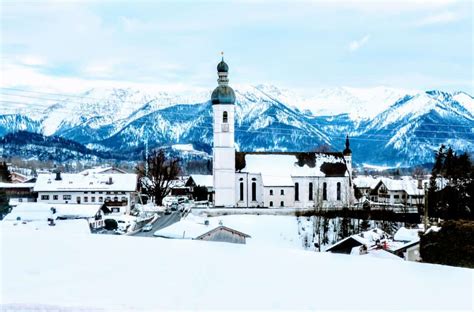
387 126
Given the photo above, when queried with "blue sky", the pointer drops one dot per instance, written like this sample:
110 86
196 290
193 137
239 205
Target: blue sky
416 44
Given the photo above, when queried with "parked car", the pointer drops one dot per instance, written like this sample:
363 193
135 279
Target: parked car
147 228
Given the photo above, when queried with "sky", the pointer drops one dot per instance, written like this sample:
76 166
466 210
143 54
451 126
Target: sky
175 45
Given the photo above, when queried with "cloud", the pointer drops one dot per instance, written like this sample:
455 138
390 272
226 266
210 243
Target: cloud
445 17
357 44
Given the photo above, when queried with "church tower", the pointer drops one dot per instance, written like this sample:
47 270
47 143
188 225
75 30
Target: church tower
223 99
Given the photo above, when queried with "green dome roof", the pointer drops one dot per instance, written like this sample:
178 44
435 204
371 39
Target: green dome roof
223 95
222 67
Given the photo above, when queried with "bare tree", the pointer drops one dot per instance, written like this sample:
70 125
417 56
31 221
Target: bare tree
156 181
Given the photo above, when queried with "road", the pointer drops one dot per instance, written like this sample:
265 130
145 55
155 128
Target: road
162 222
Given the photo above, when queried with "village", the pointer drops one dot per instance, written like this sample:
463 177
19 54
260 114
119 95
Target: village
305 200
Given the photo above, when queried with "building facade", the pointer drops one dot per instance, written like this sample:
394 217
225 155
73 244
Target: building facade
116 191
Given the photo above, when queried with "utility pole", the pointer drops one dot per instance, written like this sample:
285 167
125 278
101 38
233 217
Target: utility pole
146 157
425 211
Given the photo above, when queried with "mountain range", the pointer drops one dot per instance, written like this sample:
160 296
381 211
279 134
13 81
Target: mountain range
386 126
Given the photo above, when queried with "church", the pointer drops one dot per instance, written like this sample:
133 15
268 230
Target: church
273 179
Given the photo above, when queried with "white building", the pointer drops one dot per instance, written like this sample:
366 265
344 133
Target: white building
116 191
319 180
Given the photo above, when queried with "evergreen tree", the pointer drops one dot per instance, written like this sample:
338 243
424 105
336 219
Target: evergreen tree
5 175
4 205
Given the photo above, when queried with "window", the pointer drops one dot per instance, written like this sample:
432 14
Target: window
254 191
271 192
224 117
297 191
282 192
55 197
101 199
282 204
107 199
124 198
44 197
107 193
325 191
101 192
20 200
338 190
66 197
310 197
92 192
93 199
78 199
115 209
86 192
271 204
86 199
241 191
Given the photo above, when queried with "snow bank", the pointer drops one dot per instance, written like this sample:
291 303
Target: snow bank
41 269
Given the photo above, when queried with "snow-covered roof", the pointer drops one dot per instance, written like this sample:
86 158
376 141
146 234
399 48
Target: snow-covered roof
286 165
16 185
76 226
203 179
107 170
407 235
41 211
366 182
407 184
86 182
191 228
368 238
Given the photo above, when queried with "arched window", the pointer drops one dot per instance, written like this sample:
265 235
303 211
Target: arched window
310 197
241 191
271 192
271 204
325 191
224 117
297 191
254 191
282 204
338 190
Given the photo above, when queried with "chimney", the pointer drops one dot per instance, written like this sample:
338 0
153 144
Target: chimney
420 184
58 175
110 180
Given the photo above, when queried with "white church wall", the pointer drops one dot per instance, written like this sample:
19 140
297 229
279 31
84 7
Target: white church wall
246 199
279 196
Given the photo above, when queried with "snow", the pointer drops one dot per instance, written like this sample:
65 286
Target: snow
183 147
407 235
265 230
285 166
16 185
366 182
40 211
72 271
86 182
203 180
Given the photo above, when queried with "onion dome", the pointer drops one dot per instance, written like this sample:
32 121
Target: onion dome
223 94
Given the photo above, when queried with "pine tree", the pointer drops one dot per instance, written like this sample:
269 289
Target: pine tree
5 175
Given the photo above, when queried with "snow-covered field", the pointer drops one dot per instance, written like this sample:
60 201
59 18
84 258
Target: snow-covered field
51 270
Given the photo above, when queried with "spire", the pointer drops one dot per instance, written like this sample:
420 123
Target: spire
347 150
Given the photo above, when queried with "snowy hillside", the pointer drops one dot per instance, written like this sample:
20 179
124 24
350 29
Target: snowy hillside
389 121
164 274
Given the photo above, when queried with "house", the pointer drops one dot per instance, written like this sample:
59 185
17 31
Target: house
253 179
406 192
29 212
369 239
365 184
410 249
202 180
117 191
18 177
19 192
209 230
